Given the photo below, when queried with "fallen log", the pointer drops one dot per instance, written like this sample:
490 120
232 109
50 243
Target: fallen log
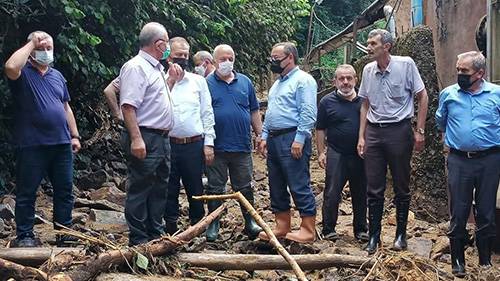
272 238
35 256
10 269
271 262
159 247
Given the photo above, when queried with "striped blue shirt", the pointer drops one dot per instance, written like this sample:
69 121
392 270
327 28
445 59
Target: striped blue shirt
471 122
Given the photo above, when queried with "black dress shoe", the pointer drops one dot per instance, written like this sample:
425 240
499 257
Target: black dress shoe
457 258
29 241
332 236
63 240
362 236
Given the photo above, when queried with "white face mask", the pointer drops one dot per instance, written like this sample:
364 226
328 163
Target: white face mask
44 57
225 68
200 70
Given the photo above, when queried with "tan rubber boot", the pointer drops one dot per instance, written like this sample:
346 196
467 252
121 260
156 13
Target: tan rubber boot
283 224
307 231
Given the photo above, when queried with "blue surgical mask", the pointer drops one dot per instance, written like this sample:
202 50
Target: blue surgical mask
44 57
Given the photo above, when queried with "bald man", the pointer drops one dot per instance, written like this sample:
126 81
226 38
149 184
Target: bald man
204 63
236 109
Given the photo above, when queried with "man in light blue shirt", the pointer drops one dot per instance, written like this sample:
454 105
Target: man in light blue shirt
286 136
469 116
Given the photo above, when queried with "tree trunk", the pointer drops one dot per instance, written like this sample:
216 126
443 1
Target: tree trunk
35 256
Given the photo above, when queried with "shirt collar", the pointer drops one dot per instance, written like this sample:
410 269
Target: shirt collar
30 65
387 69
149 58
216 75
289 74
485 88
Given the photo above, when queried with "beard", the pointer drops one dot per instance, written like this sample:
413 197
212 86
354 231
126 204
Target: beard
345 93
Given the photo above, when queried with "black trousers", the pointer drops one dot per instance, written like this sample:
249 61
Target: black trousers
393 146
470 179
147 187
340 169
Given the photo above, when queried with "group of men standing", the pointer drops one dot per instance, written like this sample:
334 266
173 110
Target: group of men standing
179 125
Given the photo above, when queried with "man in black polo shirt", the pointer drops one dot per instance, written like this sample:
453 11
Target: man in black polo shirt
338 115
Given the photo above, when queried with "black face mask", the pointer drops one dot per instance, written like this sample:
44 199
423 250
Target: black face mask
182 62
464 81
165 64
276 66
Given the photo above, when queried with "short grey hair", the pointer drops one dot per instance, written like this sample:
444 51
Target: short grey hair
385 36
203 55
178 40
30 36
478 59
150 33
222 47
289 48
347 67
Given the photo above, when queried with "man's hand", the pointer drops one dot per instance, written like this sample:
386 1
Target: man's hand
175 73
297 149
138 148
208 151
361 147
322 160
419 142
75 145
39 40
262 148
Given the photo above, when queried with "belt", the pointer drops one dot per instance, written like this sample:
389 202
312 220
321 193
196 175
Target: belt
275 133
186 140
475 154
384 125
161 132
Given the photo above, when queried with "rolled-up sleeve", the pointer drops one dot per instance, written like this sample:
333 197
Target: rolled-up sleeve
207 113
307 92
132 85
442 112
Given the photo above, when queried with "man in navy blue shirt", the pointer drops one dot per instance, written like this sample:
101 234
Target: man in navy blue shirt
236 109
469 116
46 135
338 115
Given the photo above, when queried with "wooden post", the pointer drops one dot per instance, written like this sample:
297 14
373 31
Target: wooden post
493 38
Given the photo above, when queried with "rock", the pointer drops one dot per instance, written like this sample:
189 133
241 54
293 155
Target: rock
420 246
238 274
93 180
110 193
109 221
98 204
391 219
119 166
259 175
6 212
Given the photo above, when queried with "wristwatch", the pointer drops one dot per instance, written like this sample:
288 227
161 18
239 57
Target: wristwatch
421 131
76 137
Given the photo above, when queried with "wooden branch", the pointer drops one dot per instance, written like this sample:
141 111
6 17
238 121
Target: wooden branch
158 247
270 262
10 269
272 238
35 256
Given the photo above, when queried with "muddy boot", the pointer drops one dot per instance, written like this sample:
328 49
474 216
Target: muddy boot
402 209
283 223
484 248
213 229
457 258
374 227
252 229
307 231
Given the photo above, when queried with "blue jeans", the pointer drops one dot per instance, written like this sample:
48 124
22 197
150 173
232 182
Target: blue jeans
33 164
187 164
286 171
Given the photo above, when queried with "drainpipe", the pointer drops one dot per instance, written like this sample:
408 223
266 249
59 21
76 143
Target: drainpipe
417 12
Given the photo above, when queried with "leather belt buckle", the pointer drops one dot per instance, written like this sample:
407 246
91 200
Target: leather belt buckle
471 154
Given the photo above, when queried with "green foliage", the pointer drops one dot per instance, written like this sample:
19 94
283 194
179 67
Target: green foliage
94 38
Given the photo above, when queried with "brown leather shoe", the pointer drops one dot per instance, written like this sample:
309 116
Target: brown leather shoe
283 224
307 231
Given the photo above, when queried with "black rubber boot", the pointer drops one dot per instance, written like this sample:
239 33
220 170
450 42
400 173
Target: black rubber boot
402 209
213 228
484 248
457 258
375 227
252 230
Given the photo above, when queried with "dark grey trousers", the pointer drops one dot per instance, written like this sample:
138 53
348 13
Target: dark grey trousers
147 187
340 169
393 146
473 178
240 168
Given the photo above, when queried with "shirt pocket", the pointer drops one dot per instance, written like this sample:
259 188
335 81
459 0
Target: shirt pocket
395 90
241 99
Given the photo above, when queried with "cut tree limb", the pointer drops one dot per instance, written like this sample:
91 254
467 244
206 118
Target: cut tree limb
10 269
272 262
273 240
35 256
158 247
